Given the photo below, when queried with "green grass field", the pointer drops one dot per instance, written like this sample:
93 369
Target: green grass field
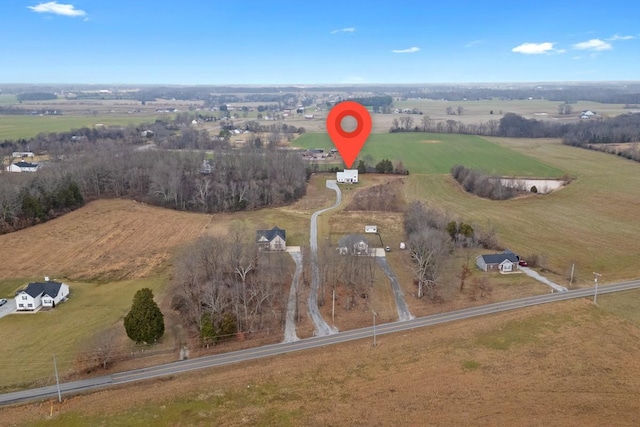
426 153
63 331
15 127
592 222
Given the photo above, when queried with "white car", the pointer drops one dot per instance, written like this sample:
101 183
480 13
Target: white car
3 301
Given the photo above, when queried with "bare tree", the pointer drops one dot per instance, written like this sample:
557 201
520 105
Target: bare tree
428 248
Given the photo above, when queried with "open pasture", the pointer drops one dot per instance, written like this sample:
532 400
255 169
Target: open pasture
591 222
426 153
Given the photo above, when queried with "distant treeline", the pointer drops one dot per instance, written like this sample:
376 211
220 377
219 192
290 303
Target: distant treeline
16 111
36 96
374 101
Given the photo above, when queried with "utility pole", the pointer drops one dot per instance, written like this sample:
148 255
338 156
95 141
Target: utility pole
374 327
55 367
573 266
595 295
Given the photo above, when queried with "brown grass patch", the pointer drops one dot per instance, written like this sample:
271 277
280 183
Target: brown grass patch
536 366
107 239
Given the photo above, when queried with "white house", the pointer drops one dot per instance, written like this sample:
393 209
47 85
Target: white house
47 293
505 262
272 240
23 167
21 154
355 244
349 176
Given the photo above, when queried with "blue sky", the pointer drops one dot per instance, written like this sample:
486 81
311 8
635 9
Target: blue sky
317 42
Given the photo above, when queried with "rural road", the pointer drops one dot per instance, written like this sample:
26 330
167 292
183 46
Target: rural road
290 320
305 344
321 327
401 304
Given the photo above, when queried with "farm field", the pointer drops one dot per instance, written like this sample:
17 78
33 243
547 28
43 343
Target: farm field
580 369
427 153
16 127
591 222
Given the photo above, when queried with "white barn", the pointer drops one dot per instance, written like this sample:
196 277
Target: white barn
349 176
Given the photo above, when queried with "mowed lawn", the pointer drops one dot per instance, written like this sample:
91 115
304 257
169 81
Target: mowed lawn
426 153
592 222
30 340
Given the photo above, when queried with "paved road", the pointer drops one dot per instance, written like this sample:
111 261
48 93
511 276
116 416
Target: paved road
305 344
290 320
401 304
321 327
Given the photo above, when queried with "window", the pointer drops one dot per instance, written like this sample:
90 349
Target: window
24 297
30 305
21 305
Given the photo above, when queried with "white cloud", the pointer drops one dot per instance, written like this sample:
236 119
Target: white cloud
619 37
58 9
593 44
344 30
410 50
474 43
534 48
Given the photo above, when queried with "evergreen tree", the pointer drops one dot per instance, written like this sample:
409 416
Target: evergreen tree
144 323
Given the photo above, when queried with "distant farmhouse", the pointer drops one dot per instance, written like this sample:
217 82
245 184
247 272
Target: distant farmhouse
355 244
271 240
505 262
22 154
45 294
349 176
587 114
23 167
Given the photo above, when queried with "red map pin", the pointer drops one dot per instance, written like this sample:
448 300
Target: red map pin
349 144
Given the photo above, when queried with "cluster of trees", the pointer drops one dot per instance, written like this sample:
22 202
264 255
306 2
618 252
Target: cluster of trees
432 237
383 166
429 245
375 101
452 112
26 199
482 185
231 181
354 272
223 286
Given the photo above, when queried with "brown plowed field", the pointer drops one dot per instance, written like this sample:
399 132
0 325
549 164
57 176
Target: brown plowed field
105 240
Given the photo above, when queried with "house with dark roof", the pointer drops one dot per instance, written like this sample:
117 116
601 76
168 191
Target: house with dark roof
271 240
505 262
46 294
23 167
355 244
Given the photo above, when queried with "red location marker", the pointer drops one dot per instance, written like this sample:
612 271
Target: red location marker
349 144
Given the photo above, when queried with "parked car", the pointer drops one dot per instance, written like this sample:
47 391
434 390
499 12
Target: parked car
3 301
523 263
387 249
